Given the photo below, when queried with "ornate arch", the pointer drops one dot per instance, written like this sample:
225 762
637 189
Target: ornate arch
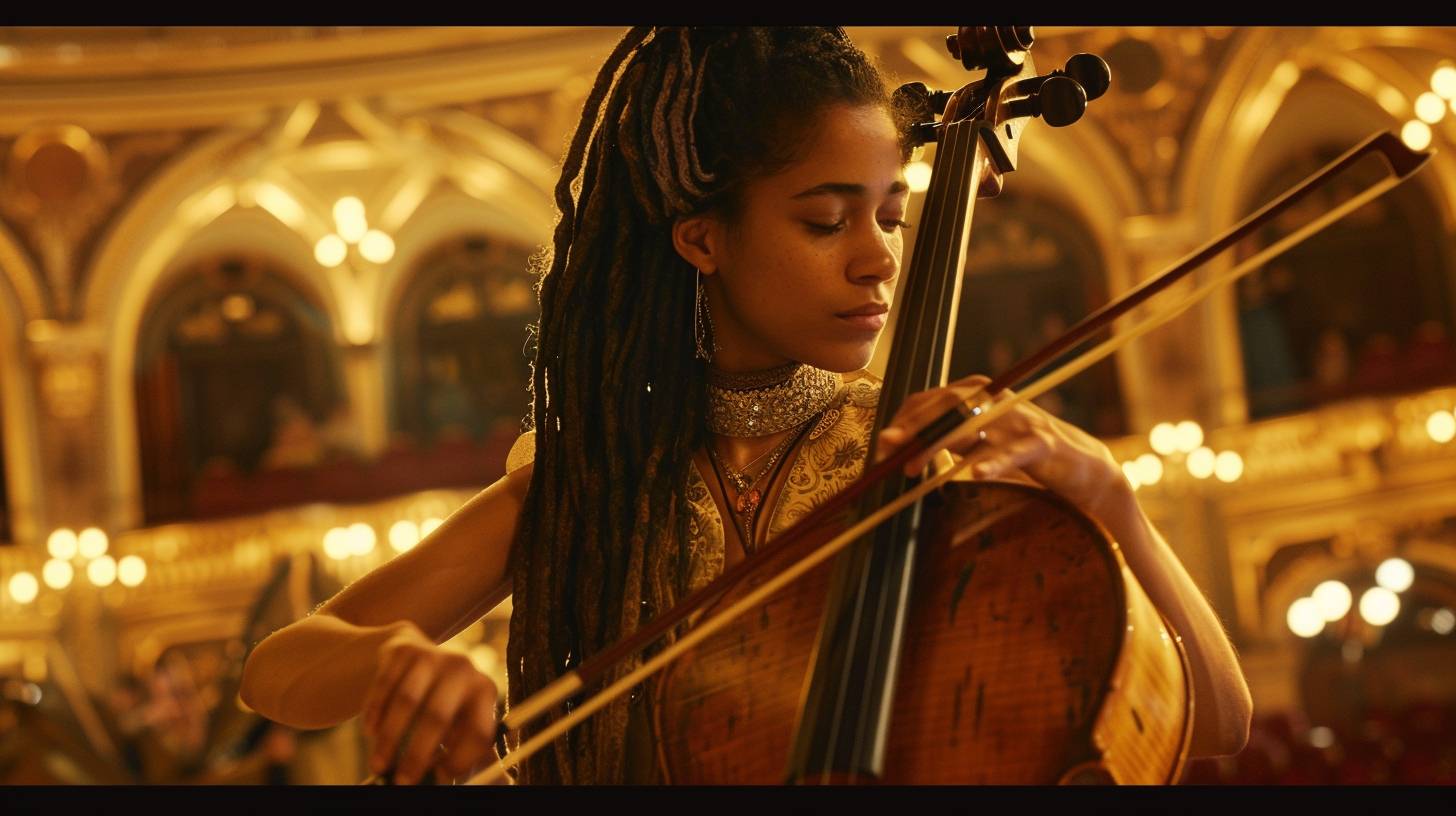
20 303
1229 140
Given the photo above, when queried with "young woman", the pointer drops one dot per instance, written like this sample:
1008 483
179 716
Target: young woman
731 229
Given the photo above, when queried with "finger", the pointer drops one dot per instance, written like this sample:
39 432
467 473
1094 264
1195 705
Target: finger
421 748
962 441
470 742
1022 453
398 711
392 667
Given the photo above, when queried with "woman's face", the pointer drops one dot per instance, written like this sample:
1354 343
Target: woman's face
814 243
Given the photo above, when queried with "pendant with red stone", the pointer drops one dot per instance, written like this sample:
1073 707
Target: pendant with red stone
747 502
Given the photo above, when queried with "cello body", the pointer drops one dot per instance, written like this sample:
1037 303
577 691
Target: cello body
1031 656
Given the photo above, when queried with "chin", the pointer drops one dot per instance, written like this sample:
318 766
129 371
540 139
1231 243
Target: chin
841 358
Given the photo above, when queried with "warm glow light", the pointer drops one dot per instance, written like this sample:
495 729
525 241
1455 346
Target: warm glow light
1228 466
1379 606
1430 108
23 587
131 570
1164 438
1333 600
1443 621
336 543
1149 468
57 573
917 175
62 543
1188 436
403 535
361 538
279 203
330 251
376 247
1304 618
484 657
1416 134
1321 737
92 542
1441 426
102 571
349 217
1200 463
1395 574
1443 82
1129 470
237 307
428 526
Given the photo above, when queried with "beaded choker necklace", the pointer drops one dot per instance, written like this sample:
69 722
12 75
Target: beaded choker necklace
760 403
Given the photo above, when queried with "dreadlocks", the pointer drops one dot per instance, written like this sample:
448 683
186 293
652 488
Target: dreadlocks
676 122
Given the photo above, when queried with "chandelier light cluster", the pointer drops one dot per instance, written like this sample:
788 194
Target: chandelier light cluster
1181 443
359 539
72 553
1378 605
1430 108
352 229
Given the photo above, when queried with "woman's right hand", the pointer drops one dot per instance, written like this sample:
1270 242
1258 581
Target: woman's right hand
433 698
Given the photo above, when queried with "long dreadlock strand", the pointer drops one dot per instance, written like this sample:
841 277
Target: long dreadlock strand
674 123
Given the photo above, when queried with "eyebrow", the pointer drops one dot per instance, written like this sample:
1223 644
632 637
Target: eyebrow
846 189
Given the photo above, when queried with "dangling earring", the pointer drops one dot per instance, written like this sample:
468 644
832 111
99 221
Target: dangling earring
703 322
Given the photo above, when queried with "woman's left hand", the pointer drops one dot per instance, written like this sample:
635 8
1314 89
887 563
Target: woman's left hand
1061 457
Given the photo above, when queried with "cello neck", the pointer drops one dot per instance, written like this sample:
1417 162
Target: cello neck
843 723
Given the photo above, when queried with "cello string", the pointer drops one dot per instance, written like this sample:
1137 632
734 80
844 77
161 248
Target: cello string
997 408
948 202
945 276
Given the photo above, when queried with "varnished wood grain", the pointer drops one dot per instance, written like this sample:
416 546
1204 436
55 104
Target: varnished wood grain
1030 649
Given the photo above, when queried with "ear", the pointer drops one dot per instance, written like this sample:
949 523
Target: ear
699 240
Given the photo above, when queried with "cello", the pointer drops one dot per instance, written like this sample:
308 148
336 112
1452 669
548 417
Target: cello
971 631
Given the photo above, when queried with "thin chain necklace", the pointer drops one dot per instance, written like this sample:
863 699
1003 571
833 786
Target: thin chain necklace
750 497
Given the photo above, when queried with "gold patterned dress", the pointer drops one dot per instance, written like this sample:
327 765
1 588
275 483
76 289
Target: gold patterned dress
822 466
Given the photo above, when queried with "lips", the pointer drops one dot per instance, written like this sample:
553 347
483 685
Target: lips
867 309
869 317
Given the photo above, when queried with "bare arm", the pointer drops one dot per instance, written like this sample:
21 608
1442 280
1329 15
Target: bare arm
316 672
1222 705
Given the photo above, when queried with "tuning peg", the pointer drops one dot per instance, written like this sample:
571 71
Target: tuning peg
1091 72
1059 101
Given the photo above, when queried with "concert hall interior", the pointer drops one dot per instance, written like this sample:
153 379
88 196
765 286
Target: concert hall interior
264 298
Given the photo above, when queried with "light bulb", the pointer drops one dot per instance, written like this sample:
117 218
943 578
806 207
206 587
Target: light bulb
1201 462
57 573
1379 606
62 543
102 571
131 570
92 542
23 587
1416 134
349 218
330 251
1304 618
376 247
1395 574
1164 438
1189 435
1228 466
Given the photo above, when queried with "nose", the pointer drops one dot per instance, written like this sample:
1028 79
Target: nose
877 259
